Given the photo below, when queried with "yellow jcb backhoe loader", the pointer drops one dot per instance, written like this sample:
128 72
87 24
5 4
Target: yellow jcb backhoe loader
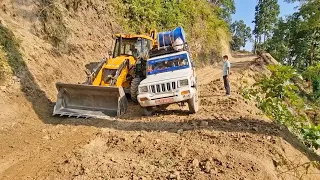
103 94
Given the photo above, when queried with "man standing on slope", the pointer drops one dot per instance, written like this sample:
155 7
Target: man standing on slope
226 74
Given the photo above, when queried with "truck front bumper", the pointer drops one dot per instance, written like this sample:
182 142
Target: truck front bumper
150 100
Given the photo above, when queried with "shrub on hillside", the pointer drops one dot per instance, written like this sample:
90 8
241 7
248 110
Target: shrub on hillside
5 69
52 23
313 74
10 57
279 98
204 27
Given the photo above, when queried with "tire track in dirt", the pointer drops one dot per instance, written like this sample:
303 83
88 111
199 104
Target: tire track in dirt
42 152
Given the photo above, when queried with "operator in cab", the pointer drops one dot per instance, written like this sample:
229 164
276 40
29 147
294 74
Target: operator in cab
133 51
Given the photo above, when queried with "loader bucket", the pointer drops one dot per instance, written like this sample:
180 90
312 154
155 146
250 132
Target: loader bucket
79 100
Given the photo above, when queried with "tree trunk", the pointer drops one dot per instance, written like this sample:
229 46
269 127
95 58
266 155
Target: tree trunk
255 45
289 61
312 54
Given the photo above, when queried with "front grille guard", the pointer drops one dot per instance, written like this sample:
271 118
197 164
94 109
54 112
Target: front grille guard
163 87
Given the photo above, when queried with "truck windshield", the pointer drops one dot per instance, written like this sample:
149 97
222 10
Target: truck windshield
132 47
168 64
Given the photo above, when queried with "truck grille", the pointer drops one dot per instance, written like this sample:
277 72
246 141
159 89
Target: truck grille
164 87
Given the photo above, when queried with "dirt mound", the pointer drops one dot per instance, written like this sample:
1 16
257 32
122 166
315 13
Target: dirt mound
188 155
228 139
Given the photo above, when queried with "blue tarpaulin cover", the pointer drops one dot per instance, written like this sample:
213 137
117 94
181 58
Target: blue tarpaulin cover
168 37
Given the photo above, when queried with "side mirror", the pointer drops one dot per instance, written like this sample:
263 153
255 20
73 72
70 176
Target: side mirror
193 64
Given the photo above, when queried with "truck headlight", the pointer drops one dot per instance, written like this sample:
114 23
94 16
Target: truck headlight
184 82
143 89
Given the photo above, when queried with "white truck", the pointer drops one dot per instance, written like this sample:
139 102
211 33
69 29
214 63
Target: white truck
170 79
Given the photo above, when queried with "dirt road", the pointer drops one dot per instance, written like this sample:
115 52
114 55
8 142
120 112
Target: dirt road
228 139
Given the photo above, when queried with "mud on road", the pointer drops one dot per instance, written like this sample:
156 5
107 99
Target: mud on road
228 139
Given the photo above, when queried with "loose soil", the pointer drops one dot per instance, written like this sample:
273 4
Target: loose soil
229 138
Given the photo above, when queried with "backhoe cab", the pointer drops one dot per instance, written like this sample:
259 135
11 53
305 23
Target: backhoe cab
118 71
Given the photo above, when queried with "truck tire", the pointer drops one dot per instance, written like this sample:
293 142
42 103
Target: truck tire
193 103
134 90
147 111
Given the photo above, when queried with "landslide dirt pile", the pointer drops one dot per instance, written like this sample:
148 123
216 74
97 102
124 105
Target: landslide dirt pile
228 139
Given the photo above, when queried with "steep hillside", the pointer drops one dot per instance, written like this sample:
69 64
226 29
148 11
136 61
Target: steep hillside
56 42
203 21
57 38
43 42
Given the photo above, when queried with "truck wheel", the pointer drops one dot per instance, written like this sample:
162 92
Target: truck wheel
134 89
193 103
147 111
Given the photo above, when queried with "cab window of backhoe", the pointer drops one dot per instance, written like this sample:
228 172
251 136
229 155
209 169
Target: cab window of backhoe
132 47
126 46
146 46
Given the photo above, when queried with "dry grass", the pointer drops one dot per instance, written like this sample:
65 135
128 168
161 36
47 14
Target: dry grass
11 61
53 26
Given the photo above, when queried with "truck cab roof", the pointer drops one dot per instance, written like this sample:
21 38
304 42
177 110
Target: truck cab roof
133 36
168 55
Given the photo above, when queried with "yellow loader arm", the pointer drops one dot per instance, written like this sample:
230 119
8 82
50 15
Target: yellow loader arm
112 77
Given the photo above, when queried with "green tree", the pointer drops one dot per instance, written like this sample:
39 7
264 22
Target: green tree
310 13
266 14
240 35
278 44
296 39
226 8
